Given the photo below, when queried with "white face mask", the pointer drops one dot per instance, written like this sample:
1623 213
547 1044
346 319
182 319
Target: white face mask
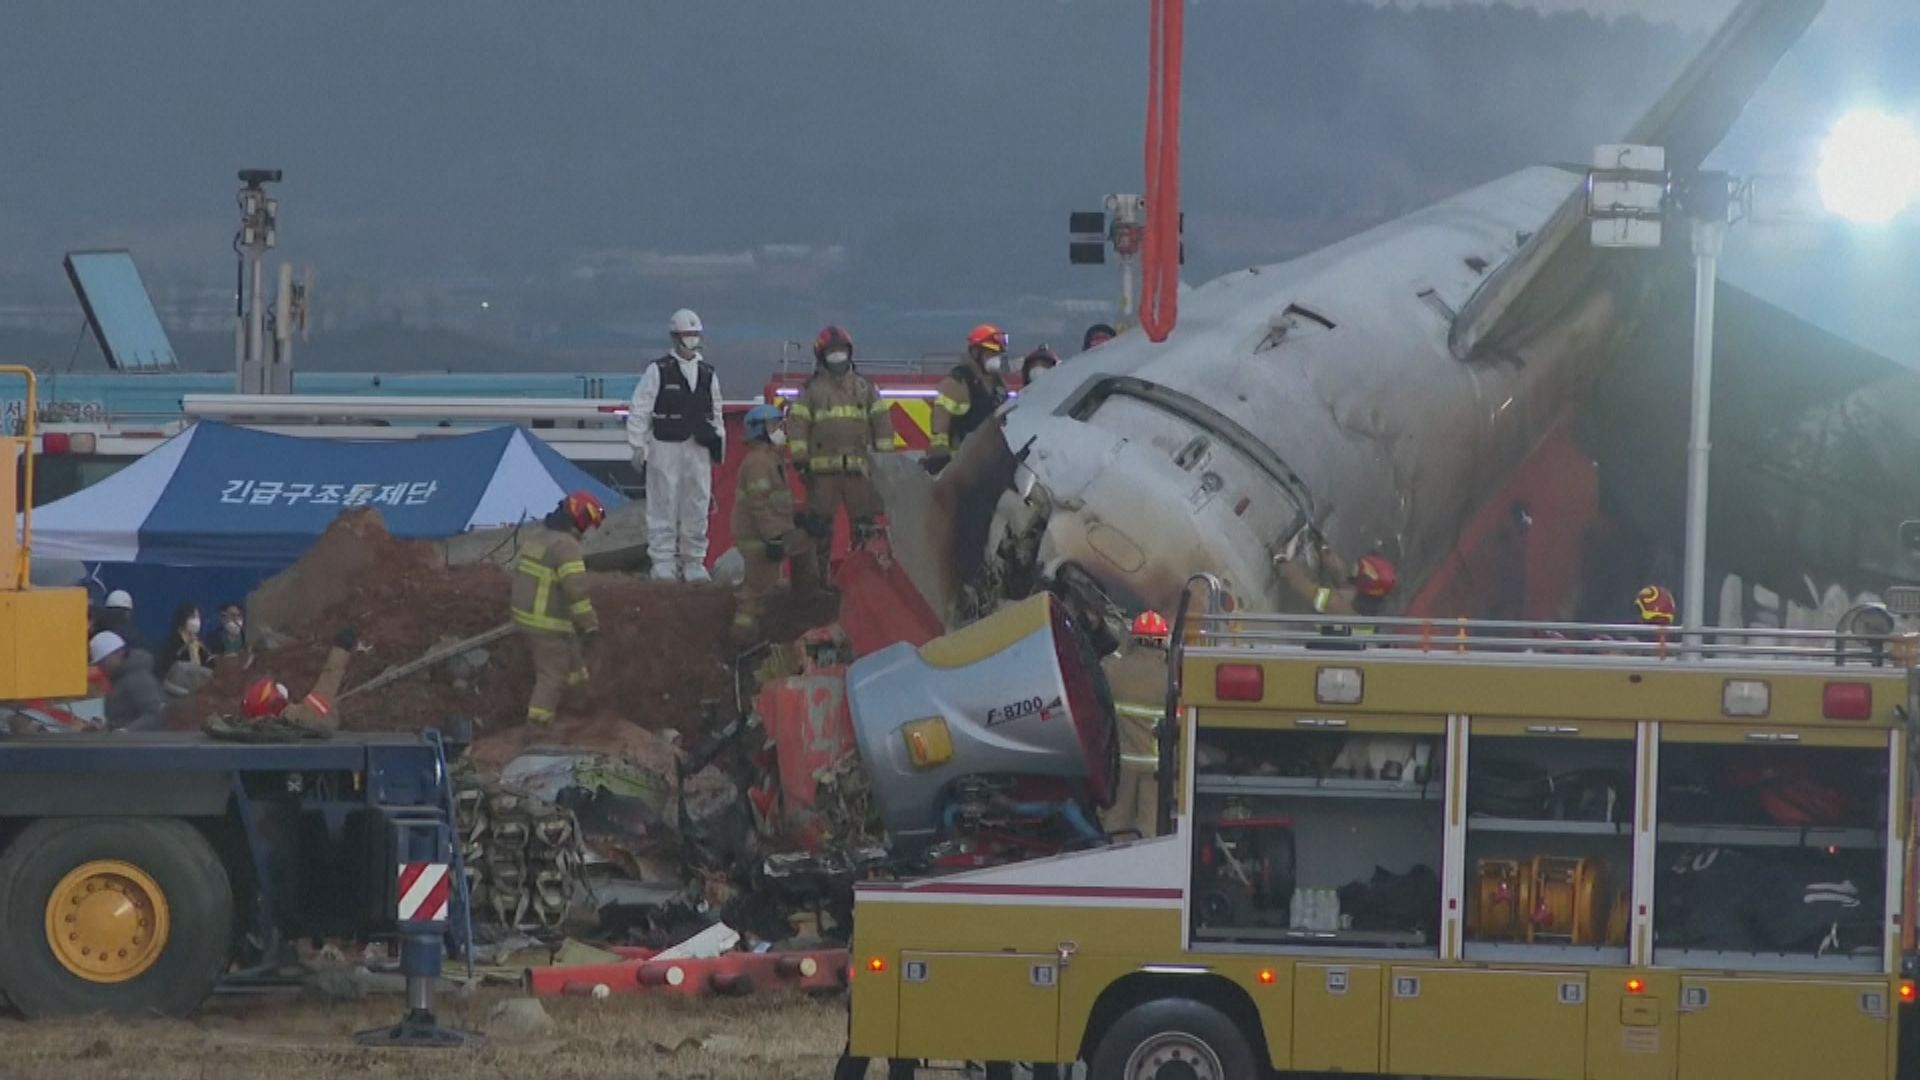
688 344
777 437
233 626
193 626
996 364
838 361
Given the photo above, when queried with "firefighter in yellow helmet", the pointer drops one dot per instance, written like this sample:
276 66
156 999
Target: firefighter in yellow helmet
764 525
968 395
834 427
550 603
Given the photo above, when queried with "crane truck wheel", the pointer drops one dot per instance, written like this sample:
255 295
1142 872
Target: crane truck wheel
118 915
1173 1037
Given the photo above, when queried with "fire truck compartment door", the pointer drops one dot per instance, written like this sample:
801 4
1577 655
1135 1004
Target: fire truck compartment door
1502 1025
1743 1028
1336 1018
979 1006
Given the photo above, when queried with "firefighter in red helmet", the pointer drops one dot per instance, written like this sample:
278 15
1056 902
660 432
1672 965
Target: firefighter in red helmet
834 427
1332 588
268 712
550 603
1654 606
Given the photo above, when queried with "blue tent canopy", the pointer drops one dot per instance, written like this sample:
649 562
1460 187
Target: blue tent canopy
210 513
217 495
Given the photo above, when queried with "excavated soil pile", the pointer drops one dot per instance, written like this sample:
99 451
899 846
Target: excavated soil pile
663 649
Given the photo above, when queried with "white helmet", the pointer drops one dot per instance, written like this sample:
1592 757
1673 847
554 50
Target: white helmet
120 598
684 321
104 644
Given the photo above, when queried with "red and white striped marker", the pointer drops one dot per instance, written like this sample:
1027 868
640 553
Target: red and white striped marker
424 891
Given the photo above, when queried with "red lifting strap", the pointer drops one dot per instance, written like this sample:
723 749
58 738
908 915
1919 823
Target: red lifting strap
1160 251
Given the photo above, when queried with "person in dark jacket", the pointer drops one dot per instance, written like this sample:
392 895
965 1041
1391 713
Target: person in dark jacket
229 637
136 702
187 662
184 645
116 614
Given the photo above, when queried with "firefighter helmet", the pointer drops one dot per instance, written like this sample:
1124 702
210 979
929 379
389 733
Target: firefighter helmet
1655 605
1151 626
263 698
830 340
1374 576
989 337
760 419
584 510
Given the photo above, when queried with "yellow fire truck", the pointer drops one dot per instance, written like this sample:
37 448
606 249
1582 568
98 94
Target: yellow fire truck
1514 850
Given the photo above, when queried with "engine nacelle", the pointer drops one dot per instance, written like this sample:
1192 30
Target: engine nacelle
1017 695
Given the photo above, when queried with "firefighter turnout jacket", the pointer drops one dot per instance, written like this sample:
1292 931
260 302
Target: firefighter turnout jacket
763 503
550 585
836 422
966 401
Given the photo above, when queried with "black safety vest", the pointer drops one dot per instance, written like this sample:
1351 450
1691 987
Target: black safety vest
680 410
981 402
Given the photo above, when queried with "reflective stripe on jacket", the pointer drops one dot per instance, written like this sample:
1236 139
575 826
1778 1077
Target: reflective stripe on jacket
550 585
838 419
965 401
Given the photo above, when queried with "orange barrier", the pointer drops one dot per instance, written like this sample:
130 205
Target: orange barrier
731 974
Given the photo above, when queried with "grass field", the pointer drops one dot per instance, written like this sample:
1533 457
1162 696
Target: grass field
287 1038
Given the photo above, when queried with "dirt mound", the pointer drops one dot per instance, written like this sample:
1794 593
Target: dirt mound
663 649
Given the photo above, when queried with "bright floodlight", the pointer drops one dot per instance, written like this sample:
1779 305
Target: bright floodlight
1870 167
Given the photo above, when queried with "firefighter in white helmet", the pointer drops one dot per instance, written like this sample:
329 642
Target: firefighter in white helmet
677 436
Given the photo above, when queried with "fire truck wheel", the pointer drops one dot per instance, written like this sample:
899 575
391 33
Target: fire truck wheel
1172 1037
118 915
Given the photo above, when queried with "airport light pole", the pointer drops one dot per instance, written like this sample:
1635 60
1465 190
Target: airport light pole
1708 219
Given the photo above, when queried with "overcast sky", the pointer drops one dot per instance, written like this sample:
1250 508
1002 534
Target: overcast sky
935 147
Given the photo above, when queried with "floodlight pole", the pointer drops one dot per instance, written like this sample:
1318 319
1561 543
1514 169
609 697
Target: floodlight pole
259 214
1709 232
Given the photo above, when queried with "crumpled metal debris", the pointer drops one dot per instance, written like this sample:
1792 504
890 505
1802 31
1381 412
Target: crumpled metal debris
523 854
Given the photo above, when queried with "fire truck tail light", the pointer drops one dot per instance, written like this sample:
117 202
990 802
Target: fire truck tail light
1906 991
1266 976
876 965
1239 682
1745 697
1846 701
56 442
1338 686
83 442
1636 986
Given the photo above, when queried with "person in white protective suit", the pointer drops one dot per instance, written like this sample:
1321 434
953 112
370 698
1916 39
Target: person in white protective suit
677 436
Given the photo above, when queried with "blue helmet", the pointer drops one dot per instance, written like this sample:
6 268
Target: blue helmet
760 418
